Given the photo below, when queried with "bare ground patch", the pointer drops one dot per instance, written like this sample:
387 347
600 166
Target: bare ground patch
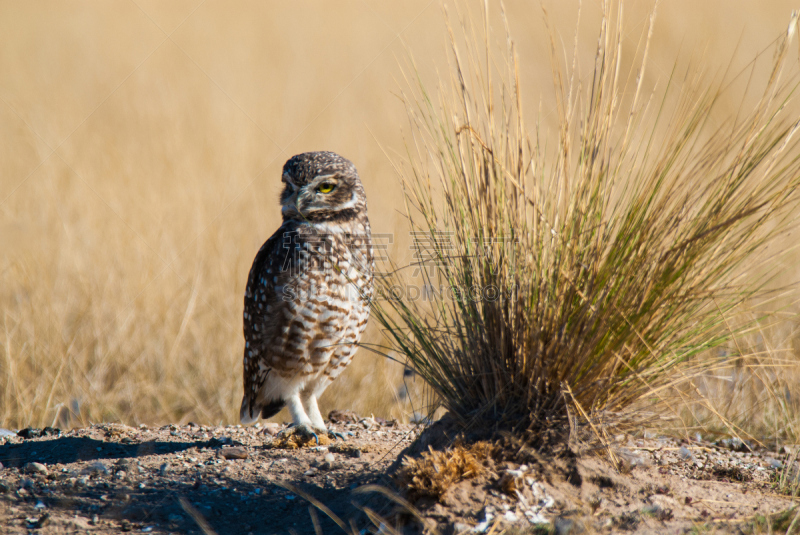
111 478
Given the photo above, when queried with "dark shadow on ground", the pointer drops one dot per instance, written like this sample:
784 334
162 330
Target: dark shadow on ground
65 450
225 504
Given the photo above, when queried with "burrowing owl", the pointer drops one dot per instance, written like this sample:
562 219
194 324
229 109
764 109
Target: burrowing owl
308 293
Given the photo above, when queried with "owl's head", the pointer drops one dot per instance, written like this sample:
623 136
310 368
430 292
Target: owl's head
321 186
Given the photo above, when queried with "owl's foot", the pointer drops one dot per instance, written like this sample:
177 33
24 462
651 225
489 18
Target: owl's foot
301 430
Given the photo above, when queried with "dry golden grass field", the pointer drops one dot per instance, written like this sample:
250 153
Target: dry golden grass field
141 144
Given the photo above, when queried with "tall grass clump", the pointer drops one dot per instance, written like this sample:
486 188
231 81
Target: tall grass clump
583 273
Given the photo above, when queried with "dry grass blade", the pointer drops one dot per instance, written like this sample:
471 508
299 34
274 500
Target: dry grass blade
399 500
601 265
316 503
202 523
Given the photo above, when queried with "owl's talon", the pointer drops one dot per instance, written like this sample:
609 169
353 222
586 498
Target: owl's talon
335 435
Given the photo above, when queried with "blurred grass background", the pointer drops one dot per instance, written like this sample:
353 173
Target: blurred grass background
140 156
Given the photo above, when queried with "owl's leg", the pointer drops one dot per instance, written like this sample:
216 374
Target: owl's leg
310 402
301 423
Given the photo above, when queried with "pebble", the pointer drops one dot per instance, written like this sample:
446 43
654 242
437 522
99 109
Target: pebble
96 468
775 464
36 468
7 433
685 454
233 453
458 527
566 526
272 428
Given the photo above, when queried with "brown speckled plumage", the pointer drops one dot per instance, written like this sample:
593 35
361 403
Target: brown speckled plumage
307 298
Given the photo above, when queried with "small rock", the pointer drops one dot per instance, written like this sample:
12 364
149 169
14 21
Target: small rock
775 464
271 428
310 472
233 453
4 487
736 444
40 522
163 469
7 433
458 528
368 423
96 468
36 468
329 458
26 483
343 417
685 454
29 432
629 460
567 526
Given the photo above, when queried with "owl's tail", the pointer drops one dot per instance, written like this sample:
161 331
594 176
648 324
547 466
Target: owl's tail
250 410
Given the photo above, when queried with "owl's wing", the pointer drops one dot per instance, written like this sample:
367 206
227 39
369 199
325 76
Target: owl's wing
265 298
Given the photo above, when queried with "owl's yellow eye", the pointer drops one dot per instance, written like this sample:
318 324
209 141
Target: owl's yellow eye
326 187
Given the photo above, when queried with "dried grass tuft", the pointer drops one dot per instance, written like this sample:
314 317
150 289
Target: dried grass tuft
435 472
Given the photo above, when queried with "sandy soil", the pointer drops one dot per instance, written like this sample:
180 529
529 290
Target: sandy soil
194 479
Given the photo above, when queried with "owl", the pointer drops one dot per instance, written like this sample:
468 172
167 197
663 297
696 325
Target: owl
308 293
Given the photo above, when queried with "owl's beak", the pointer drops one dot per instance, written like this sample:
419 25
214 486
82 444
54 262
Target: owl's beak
292 206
